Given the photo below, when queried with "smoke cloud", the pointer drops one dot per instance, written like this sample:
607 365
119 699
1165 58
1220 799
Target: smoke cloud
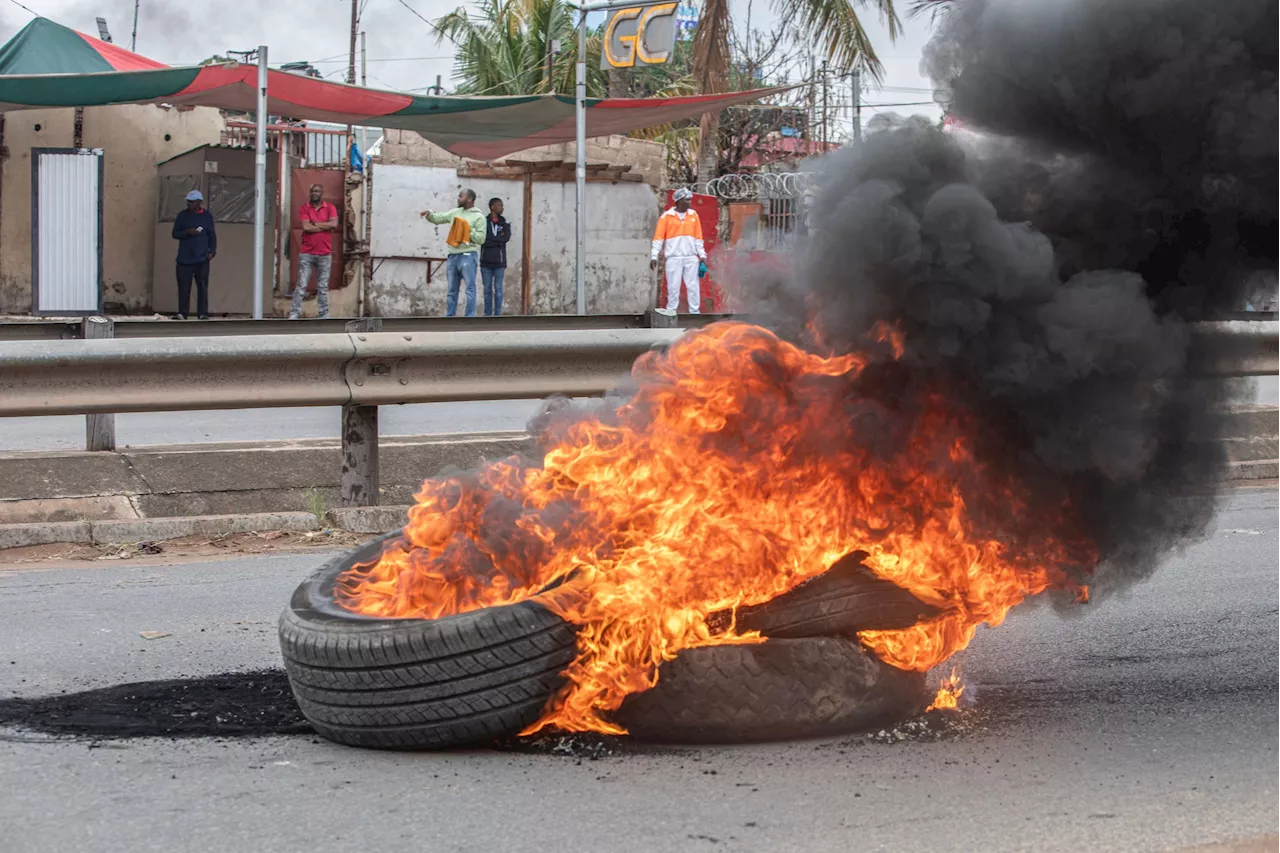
1121 183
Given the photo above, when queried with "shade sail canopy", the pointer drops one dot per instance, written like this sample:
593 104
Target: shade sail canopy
44 66
45 47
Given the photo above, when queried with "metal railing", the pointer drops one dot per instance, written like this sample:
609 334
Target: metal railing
352 368
368 366
317 147
47 329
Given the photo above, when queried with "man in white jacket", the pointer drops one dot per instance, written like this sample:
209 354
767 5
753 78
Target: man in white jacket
679 238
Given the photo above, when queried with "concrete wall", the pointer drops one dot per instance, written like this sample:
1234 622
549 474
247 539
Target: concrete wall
620 223
400 193
621 219
646 158
135 137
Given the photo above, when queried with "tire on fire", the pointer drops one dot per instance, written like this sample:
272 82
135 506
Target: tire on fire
418 683
777 690
845 599
489 673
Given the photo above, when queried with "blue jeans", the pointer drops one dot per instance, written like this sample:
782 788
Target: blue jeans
458 268
491 278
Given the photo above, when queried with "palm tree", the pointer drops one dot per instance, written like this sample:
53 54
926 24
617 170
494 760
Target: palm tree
508 47
832 25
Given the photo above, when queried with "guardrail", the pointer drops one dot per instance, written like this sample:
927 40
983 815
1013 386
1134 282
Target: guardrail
65 329
367 366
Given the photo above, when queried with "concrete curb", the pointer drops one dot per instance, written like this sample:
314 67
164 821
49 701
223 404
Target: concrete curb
1257 469
368 519
152 529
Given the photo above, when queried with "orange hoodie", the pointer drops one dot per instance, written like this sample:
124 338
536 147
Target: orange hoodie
678 236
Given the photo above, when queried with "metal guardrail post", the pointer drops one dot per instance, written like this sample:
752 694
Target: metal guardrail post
360 439
99 430
654 320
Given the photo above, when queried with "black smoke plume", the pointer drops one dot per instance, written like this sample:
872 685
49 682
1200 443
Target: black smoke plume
1118 181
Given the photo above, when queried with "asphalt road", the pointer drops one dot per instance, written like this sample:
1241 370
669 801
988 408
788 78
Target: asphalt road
67 432
1147 722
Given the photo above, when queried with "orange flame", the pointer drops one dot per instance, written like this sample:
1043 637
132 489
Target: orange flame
949 692
741 466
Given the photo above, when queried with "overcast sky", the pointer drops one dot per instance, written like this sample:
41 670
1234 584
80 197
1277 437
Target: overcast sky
402 54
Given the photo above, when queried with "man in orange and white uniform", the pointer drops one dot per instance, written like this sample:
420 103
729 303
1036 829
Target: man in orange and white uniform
679 239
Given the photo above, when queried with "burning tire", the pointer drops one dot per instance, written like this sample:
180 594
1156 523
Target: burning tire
778 690
845 599
418 683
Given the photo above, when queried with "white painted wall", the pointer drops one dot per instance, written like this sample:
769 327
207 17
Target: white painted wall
620 222
400 193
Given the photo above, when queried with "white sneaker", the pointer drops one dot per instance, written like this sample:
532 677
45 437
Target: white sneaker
665 312
293 316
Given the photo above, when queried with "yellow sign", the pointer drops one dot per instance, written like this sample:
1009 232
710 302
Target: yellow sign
645 34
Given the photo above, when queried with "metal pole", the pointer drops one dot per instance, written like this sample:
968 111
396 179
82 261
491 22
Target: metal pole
857 101
580 174
99 430
133 40
260 183
364 81
824 106
351 56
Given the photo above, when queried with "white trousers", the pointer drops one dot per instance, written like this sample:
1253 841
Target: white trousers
683 270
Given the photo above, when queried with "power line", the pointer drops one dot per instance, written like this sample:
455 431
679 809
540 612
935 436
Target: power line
402 3
37 14
383 59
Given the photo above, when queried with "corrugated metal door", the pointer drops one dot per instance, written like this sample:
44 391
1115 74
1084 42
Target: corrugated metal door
66 220
334 183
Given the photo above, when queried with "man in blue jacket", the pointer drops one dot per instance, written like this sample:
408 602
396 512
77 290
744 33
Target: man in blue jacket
197 244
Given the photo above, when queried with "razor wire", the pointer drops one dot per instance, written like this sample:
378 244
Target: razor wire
742 187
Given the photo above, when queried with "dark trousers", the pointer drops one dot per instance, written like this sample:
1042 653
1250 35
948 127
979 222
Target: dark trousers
200 272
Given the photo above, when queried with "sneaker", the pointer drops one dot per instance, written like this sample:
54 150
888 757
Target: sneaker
665 312
323 316
293 316
179 316
203 317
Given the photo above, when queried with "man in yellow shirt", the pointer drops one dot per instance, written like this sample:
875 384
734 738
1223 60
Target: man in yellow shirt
465 238
679 238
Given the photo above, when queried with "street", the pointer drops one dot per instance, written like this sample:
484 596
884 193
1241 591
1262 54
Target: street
66 432
1143 722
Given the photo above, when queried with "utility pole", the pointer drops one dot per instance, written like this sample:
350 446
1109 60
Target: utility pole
133 40
355 25
857 100
811 105
824 107
551 47
351 75
260 182
364 81
580 170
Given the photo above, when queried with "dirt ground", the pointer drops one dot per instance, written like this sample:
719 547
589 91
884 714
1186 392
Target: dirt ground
185 549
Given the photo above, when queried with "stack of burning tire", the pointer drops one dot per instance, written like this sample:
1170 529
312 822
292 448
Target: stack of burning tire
489 673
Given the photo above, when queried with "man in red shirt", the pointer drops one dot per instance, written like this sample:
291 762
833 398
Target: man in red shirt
319 220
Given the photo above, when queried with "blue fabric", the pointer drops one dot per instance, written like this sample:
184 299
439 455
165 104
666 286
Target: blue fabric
194 250
492 277
200 274
459 267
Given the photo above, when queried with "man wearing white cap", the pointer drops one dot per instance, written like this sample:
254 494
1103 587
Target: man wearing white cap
197 244
679 238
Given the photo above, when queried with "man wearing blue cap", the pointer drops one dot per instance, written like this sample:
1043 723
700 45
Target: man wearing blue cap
197 244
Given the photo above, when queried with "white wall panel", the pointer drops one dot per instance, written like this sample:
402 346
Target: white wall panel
68 221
